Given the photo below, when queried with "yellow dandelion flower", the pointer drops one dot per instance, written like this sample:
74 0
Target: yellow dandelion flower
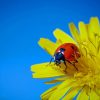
85 83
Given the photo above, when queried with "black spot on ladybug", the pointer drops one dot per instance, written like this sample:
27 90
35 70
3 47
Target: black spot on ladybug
62 49
72 47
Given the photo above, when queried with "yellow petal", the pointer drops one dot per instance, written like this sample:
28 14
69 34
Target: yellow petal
65 38
94 96
82 95
47 45
74 32
94 30
46 70
61 90
97 90
48 93
71 94
83 31
59 42
53 81
60 79
94 25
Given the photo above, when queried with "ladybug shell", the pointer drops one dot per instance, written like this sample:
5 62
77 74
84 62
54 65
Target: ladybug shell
71 52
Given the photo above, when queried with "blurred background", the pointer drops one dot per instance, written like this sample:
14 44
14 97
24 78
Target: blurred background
22 23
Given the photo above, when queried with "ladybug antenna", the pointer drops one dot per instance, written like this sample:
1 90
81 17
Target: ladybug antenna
51 60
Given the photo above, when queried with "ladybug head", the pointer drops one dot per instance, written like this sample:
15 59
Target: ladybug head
59 56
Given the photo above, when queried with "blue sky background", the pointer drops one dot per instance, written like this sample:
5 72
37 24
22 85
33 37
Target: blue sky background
22 23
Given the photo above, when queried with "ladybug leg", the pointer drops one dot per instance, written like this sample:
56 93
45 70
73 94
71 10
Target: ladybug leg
73 64
57 64
76 61
68 61
65 65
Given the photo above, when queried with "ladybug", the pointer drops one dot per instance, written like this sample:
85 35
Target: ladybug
67 52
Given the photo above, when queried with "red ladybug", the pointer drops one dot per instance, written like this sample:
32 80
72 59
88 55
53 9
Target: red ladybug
67 52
